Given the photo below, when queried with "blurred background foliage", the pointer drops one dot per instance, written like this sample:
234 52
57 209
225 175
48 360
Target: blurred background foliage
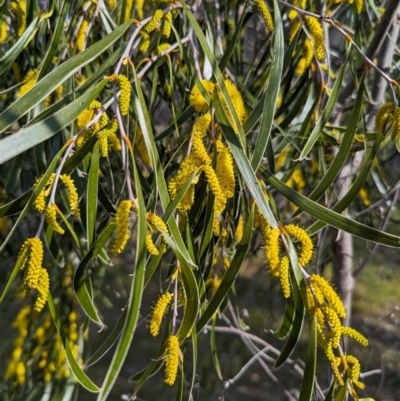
98 100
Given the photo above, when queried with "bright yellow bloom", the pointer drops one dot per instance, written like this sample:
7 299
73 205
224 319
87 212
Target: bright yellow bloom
359 6
157 222
139 9
159 312
166 26
161 48
355 335
239 229
172 360
154 22
112 4
81 36
317 35
198 133
383 116
34 258
3 30
321 286
264 11
225 170
125 97
284 276
355 369
51 218
40 202
73 197
272 249
306 58
145 42
297 3
296 24
197 100
305 240
335 332
213 284
151 246
18 8
122 226
43 288
28 82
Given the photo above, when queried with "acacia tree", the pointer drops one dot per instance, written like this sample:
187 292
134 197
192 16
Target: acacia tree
180 137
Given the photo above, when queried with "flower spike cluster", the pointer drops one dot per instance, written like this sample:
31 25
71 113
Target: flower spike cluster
158 313
122 226
172 360
322 301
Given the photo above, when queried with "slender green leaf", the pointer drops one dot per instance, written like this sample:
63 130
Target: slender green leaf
26 138
20 44
330 217
287 320
316 132
76 369
307 385
56 77
272 92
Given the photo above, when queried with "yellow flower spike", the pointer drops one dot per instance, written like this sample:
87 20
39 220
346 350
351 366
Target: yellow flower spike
213 181
213 284
355 335
239 229
125 97
20 372
18 8
335 332
355 368
154 22
197 100
145 42
317 35
225 170
383 116
172 360
81 36
157 221
114 142
139 8
297 3
320 285
284 276
28 82
3 30
305 241
272 249
306 58
158 313
237 102
198 133
396 124
161 48
151 246
122 226
264 11
128 10
112 4
166 26
43 288
35 259
226 262
51 218
73 197
359 6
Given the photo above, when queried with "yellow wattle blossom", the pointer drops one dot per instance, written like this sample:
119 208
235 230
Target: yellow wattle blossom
383 116
166 26
112 4
297 3
40 202
28 82
237 101
33 261
3 30
198 133
145 42
272 248
225 169
81 36
213 284
162 47
43 288
154 22
122 226
306 58
139 9
264 11
317 36
296 24
305 241
127 13
151 246
321 286
239 229
73 197
18 8
197 100
284 276
158 312
157 222
359 6
355 335
172 360
355 369
125 97
51 218
396 124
